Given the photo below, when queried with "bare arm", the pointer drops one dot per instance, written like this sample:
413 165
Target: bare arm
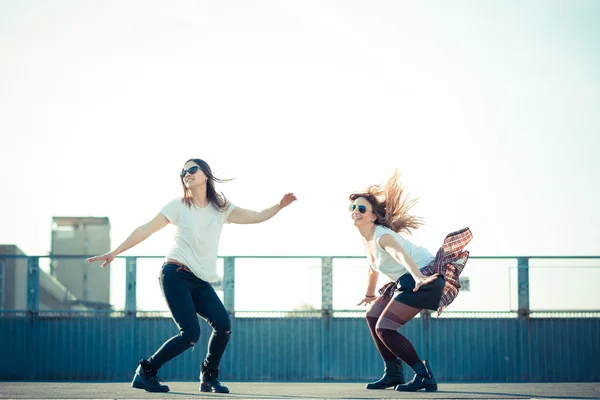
243 216
373 275
372 282
140 234
391 245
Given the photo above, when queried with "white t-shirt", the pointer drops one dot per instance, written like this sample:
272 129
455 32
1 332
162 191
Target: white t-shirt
197 235
387 265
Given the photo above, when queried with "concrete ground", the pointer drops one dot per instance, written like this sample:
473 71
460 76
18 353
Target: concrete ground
285 390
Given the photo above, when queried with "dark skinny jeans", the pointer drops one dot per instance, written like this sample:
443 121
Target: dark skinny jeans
186 296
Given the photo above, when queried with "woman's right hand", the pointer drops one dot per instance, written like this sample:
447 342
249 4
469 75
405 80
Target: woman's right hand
107 258
424 280
367 300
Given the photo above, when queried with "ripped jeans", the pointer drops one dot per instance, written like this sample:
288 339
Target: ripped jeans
186 296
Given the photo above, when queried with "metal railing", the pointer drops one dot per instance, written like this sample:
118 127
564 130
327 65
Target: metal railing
521 343
326 265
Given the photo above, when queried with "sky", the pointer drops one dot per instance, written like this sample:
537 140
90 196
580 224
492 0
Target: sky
489 110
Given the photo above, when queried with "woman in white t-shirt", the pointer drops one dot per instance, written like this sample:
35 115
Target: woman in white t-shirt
190 266
418 280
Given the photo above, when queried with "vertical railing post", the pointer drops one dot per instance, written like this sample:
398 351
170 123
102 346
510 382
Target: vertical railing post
2 283
229 284
523 282
33 285
426 333
326 285
130 286
523 312
33 307
326 313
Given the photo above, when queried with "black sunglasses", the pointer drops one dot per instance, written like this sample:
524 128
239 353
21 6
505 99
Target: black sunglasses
191 170
361 209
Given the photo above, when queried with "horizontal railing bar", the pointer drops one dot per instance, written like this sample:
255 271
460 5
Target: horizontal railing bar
91 311
285 257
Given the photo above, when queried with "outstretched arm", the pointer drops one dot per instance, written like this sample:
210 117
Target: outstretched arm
243 216
391 245
137 236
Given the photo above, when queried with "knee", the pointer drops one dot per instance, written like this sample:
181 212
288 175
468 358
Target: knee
191 335
224 329
222 326
222 333
385 326
371 322
379 331
371 312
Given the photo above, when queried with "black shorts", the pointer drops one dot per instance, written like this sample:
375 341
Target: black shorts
427 297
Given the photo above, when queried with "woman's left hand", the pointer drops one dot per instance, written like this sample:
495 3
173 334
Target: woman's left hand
287 199
367 300
424 280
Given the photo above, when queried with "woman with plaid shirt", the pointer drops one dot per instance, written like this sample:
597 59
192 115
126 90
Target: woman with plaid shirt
418 280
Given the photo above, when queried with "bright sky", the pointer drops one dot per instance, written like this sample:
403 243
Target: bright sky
488 108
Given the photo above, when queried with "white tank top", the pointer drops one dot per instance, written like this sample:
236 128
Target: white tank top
386 264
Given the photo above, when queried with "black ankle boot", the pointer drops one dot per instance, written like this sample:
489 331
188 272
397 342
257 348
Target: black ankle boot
423 379
393 375
145 378
209 381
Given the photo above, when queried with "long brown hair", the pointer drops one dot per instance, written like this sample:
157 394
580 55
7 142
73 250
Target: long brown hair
391 204
218 200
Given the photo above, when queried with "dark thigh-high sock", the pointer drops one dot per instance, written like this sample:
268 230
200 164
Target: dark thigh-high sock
373 312
394 316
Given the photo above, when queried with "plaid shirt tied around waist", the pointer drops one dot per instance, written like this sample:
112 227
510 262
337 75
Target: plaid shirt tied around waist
449 262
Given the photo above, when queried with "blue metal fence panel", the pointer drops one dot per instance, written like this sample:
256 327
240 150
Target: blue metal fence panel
471 350
13 349
325 344
274 349
54 346
565 349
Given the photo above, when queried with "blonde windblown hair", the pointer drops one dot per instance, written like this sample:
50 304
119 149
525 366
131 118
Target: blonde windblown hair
391 205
